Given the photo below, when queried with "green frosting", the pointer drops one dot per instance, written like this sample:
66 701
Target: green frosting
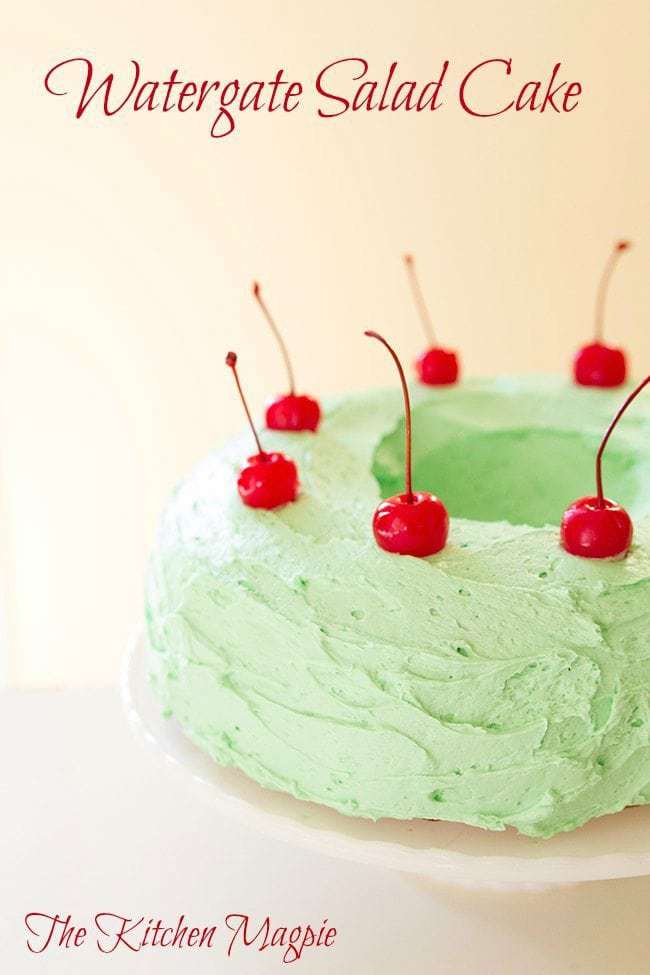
501 682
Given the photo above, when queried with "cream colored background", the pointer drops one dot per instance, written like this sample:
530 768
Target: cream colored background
129 244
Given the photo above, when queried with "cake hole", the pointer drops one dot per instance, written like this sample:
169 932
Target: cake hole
524 476
357 614
437 796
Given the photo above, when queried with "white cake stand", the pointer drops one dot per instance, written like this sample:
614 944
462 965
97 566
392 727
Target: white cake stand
431 852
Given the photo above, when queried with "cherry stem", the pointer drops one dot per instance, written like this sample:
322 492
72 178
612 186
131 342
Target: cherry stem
407 413
599 456
257 294
231 361
423 311
603 287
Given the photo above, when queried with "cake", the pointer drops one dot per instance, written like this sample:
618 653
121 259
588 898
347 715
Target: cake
501 682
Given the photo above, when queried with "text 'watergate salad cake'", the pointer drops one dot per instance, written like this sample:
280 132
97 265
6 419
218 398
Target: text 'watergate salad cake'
479 651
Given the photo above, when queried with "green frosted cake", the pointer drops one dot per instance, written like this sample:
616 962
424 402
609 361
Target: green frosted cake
502 682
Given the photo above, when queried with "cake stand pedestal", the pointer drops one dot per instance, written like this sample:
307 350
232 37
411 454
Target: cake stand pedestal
430 853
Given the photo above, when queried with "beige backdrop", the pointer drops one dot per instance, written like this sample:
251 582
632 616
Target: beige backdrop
129 244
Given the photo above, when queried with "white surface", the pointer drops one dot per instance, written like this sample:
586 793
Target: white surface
91 823
609 847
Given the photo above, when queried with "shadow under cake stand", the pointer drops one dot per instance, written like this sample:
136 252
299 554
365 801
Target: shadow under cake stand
429 852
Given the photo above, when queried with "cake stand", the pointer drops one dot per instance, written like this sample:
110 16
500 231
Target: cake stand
430 852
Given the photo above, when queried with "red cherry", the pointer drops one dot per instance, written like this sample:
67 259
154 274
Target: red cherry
436 366
268 480
290 412
293 413
596 531
416 525
595 527
598 364
413 523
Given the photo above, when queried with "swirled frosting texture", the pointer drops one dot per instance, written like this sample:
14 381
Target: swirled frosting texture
502 682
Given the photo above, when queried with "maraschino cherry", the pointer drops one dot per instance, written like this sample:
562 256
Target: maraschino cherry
436 366
416 522
292 411
595 527
268 480
598 364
